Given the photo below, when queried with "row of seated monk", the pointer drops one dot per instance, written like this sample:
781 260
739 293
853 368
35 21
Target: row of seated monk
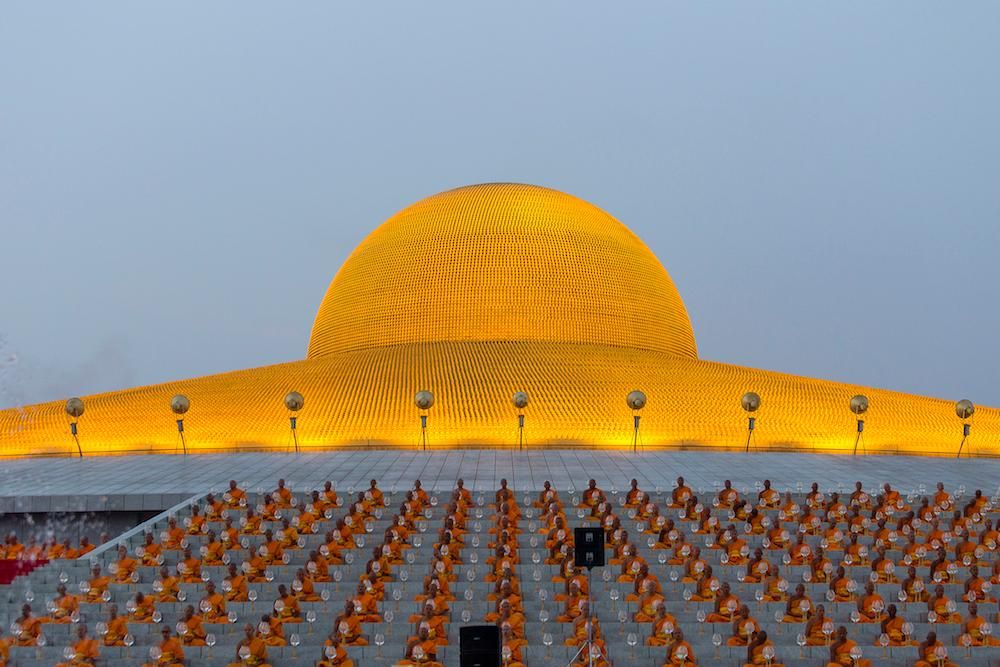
49 548
448 552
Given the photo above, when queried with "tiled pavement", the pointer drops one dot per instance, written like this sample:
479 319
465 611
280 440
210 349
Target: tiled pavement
156 482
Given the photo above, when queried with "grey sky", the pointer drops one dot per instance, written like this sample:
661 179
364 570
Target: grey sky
180 182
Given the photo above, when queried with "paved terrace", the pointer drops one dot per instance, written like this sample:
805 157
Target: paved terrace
154 482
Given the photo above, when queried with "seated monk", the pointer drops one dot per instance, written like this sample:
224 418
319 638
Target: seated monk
288 611
761 652
842 586
234 586
707 588
252 523
575 605
196 522
799 606
933 653
800 552
271 631
303 587
511 654
125 566
681 494
86 651
728 495
172 537
213 605
213 550
840 651
213 508
663 628
27 627
251 651
871 605
144 608
649 604
508 595
892 627
974 587
97 585
815 626
150 553
758 568
117 628
973 627
235 496
914 586
189 568
421 650
348 626
726 605
680 653
334 654
318 566
942 607
193 633
745 627
582 626
768 498
282 495
776 588
330 495
66 604
171 651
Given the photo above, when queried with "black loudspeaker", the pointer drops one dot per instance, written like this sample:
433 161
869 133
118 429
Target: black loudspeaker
588 545
479 646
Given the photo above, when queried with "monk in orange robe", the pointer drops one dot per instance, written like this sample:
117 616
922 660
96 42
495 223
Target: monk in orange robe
664 624
171 651
348 626
933 653
86 651
117 628
840 651
251 651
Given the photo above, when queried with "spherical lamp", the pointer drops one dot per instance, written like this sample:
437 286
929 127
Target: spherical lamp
74 408
423 400
750 402
520 401
179 405
294 402
636 400
859 406
964 409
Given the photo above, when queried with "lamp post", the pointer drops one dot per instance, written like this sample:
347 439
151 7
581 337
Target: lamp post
180 404
636 400
964 409
859 406
294 402
520 401
423 400
74 408
751 403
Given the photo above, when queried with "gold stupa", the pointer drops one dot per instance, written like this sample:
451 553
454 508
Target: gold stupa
475 294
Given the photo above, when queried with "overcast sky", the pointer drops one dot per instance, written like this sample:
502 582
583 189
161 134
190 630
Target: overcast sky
180 182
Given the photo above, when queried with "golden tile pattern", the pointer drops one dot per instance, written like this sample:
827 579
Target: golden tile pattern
540 293
503 262
365 398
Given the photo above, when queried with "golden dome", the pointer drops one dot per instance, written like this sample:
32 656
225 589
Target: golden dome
502 262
